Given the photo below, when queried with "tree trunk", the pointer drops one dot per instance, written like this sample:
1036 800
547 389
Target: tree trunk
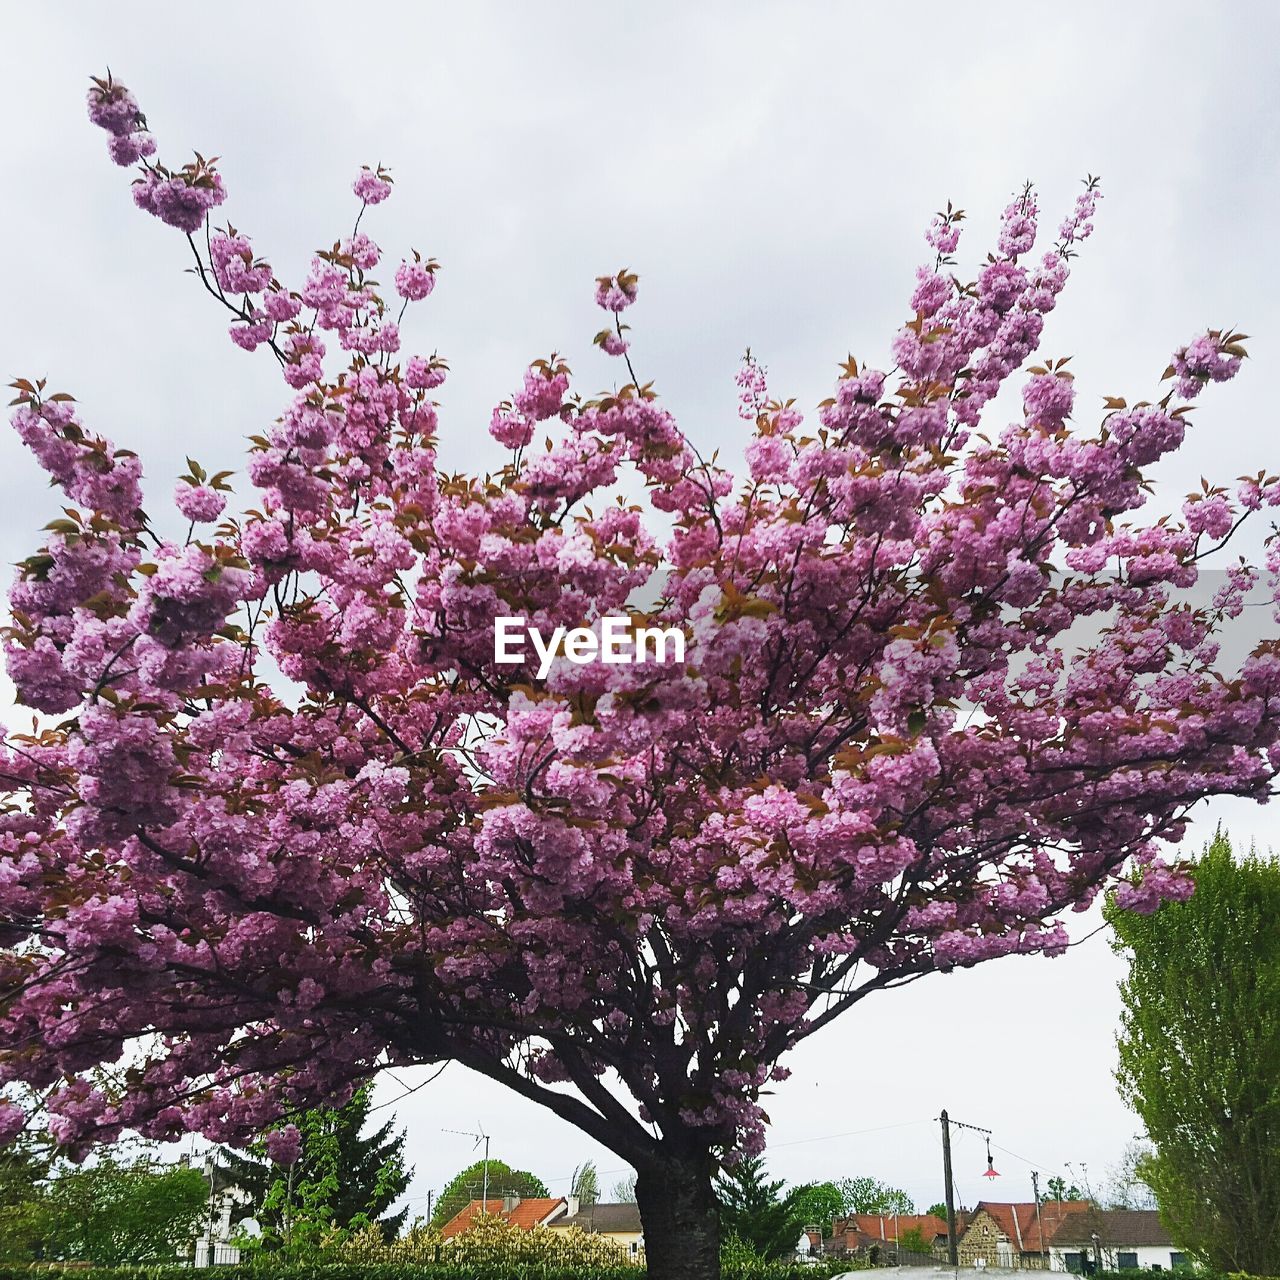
681 1218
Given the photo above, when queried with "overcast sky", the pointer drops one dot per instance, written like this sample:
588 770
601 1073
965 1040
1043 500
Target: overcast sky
767 169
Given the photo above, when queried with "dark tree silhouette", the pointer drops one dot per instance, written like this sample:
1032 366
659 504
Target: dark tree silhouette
764 1217
340 1179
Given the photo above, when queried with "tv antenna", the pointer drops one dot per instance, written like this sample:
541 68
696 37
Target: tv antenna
479 1138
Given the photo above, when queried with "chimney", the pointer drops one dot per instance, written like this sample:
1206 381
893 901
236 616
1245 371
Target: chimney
509 1203
572 1207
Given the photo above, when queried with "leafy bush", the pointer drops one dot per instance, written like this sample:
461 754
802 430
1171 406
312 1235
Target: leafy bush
1190 1270
492 1241
116 1212
452 1268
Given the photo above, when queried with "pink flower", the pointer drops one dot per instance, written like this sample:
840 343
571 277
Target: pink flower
183 201
423 374
234 266
944 234
362 251
284 1146
1047 400
198 502
510 428
616 293
543 392
372 186
1206 359
1000 284
113 108
128 148
12 1122
280 306
415 279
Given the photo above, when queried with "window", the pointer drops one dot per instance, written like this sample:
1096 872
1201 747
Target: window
1075 1263
1127 1261
1177 1259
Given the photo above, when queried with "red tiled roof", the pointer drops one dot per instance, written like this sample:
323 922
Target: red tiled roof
845 1240
888 1226
854 1240
526 1215
1017 1220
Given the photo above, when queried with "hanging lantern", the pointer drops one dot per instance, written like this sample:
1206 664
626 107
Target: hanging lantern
991 1168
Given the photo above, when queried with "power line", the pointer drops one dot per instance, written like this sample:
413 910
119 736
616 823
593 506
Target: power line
1034 1164
852 1133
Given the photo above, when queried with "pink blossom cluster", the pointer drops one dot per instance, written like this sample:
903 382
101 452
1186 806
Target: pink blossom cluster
284 1145
1208 358
372 186
113 108
89 469
753 389
617 292
234 266
541 397
293 822
183 199
199 502
415 279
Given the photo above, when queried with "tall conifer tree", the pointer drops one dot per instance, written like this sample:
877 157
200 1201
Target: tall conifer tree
1200 1057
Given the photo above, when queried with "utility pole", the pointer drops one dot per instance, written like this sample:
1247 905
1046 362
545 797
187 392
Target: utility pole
953 1243
1035 1186
953 1255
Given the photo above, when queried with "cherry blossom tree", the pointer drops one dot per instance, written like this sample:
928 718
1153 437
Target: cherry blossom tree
283 820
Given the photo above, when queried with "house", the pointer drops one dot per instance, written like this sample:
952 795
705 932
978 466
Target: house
1074 1232
891 1227
876 1233
212 1244
525 1214
1121 1238
1004 1234
617 1222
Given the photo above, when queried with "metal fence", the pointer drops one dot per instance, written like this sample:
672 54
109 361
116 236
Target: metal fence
212 1254
887 1254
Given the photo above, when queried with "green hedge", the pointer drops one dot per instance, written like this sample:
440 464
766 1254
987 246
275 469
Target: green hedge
500 1271
324 1271
1187 1271
406 1271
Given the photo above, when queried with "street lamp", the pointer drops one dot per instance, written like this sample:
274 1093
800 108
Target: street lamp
991 1168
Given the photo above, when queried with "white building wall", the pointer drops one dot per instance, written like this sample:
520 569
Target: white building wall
1149 1255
